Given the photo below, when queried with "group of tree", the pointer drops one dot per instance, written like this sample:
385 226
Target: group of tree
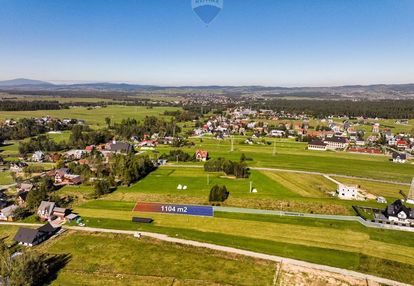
28 268
218 194
237 169
184 115
130 168
82 136
401 109
22 129
150 125
178 155
25 105
40 143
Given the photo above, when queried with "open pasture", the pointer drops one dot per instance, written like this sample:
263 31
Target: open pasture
95 116
356 248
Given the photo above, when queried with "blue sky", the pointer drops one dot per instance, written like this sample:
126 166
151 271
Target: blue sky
264 42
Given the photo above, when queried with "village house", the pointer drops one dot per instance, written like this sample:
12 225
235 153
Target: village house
317 145
38 156
277 133
402 144
7 214
45 210
399 157
398 212
119 147
201 155
63 177
74 154
31 237
21 198
376 128
347 192
335 143
147 143
18 167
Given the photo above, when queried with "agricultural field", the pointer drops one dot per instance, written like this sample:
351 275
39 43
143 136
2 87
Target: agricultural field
358 247
293 155
275 190
95 116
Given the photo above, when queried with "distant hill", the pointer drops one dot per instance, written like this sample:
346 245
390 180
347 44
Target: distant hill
23 82
378 91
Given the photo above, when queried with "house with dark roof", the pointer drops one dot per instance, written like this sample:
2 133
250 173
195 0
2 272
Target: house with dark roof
45 210
7 214
119 147
32 237
336 142
317 145
399 157
398 212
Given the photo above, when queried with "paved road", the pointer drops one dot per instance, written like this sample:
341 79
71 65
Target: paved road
235 251
303 172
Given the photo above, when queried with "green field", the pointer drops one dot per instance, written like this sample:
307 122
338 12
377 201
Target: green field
342 244
94 117
5 178
124 260
293 155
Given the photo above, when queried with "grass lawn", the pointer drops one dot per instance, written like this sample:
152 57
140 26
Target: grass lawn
122 260
5 178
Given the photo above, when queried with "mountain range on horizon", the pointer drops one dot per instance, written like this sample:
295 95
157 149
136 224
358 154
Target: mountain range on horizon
23 84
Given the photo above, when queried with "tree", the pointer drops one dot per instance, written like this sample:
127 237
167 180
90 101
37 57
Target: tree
218 194
37 195
26 269
102 187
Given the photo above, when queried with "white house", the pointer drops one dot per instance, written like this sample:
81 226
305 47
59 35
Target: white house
317 145
347 192
38 156
277 133
399 157
336 142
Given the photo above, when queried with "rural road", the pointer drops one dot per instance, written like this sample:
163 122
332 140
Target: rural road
302 172
257 255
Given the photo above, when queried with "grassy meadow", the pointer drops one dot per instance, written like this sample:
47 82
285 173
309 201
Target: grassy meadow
356 248
95 116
